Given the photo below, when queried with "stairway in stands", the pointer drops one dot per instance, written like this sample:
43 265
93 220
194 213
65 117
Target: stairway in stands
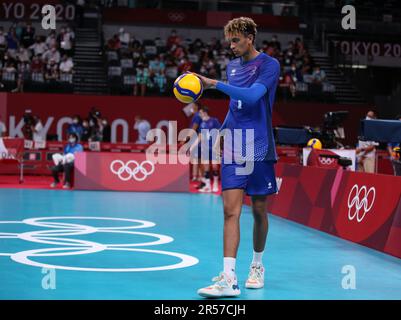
89 76
345 93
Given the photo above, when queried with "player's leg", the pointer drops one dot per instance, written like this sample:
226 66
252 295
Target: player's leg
262 183
215 173
226 284
206 177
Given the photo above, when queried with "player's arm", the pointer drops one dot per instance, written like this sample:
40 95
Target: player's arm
268 77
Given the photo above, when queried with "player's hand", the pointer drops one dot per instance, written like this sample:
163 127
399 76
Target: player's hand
207 82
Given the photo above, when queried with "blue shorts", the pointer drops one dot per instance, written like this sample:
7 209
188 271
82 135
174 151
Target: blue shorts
261 181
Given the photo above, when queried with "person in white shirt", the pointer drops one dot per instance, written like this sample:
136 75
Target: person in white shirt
366 151
66 65
143 126
39 47
51 39
38 130
124 38
51 54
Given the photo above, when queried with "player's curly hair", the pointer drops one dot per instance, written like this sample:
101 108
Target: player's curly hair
241 25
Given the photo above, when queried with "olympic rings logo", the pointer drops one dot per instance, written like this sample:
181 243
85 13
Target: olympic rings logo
58 235
355 203
326 161
132 169
176 16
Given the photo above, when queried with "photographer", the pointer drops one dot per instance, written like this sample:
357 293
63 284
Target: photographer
28 127
366 151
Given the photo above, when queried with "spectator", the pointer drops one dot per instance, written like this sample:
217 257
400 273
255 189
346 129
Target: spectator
143 127
185 65
66 42
39 47
66 65
318 75
65 163
51 72
173 39
76 127
142 78
51 39
28 35
12 42
124 38
114 43
366 151
23 54
85 131
52 54
275 43
157 66
36 65
27 128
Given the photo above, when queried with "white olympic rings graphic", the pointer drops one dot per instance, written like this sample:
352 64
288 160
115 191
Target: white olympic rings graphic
326 161
70 246
132 169
356 203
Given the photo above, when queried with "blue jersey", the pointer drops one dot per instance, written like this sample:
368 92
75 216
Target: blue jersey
265 70
69 148
211 123
196 119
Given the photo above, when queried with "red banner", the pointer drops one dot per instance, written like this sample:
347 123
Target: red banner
128 172
359 207
210 19
56 110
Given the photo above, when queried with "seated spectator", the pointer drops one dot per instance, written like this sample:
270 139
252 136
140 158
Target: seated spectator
173 39
3 128
51 71
143 127
36 65
76 127
157 65
39 47
51 54
318 75
51 39
65 163
66 65
185 65
142 78
23 54
114 43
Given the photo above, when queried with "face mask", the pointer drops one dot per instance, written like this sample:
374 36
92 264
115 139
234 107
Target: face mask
368 118
104 123
75 121
72 140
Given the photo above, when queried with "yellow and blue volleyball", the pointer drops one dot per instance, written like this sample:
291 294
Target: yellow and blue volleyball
188 88
314 144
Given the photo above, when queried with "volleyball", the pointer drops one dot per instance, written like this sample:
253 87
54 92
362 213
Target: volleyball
188 88
315 144
396 152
